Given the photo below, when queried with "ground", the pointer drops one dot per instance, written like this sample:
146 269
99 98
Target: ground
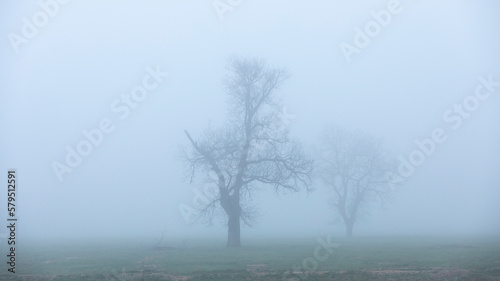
389 258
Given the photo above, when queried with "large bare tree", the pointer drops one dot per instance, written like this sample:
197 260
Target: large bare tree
253 149
354 166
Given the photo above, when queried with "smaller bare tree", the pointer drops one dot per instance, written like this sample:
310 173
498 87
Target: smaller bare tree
354 166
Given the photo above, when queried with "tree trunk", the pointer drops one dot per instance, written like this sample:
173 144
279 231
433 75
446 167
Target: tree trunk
231 204
348 228
233 230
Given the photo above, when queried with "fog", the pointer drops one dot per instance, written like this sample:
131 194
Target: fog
71 74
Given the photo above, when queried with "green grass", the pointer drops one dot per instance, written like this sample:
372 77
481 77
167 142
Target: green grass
387 258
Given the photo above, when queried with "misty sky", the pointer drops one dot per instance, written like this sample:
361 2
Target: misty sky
71 74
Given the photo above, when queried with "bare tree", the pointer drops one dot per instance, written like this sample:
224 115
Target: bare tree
253 149
354 166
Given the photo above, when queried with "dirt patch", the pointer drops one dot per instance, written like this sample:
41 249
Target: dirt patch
448 273
436 273
257 265
393 271
58 260
171 276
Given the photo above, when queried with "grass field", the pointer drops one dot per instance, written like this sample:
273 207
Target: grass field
388 258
